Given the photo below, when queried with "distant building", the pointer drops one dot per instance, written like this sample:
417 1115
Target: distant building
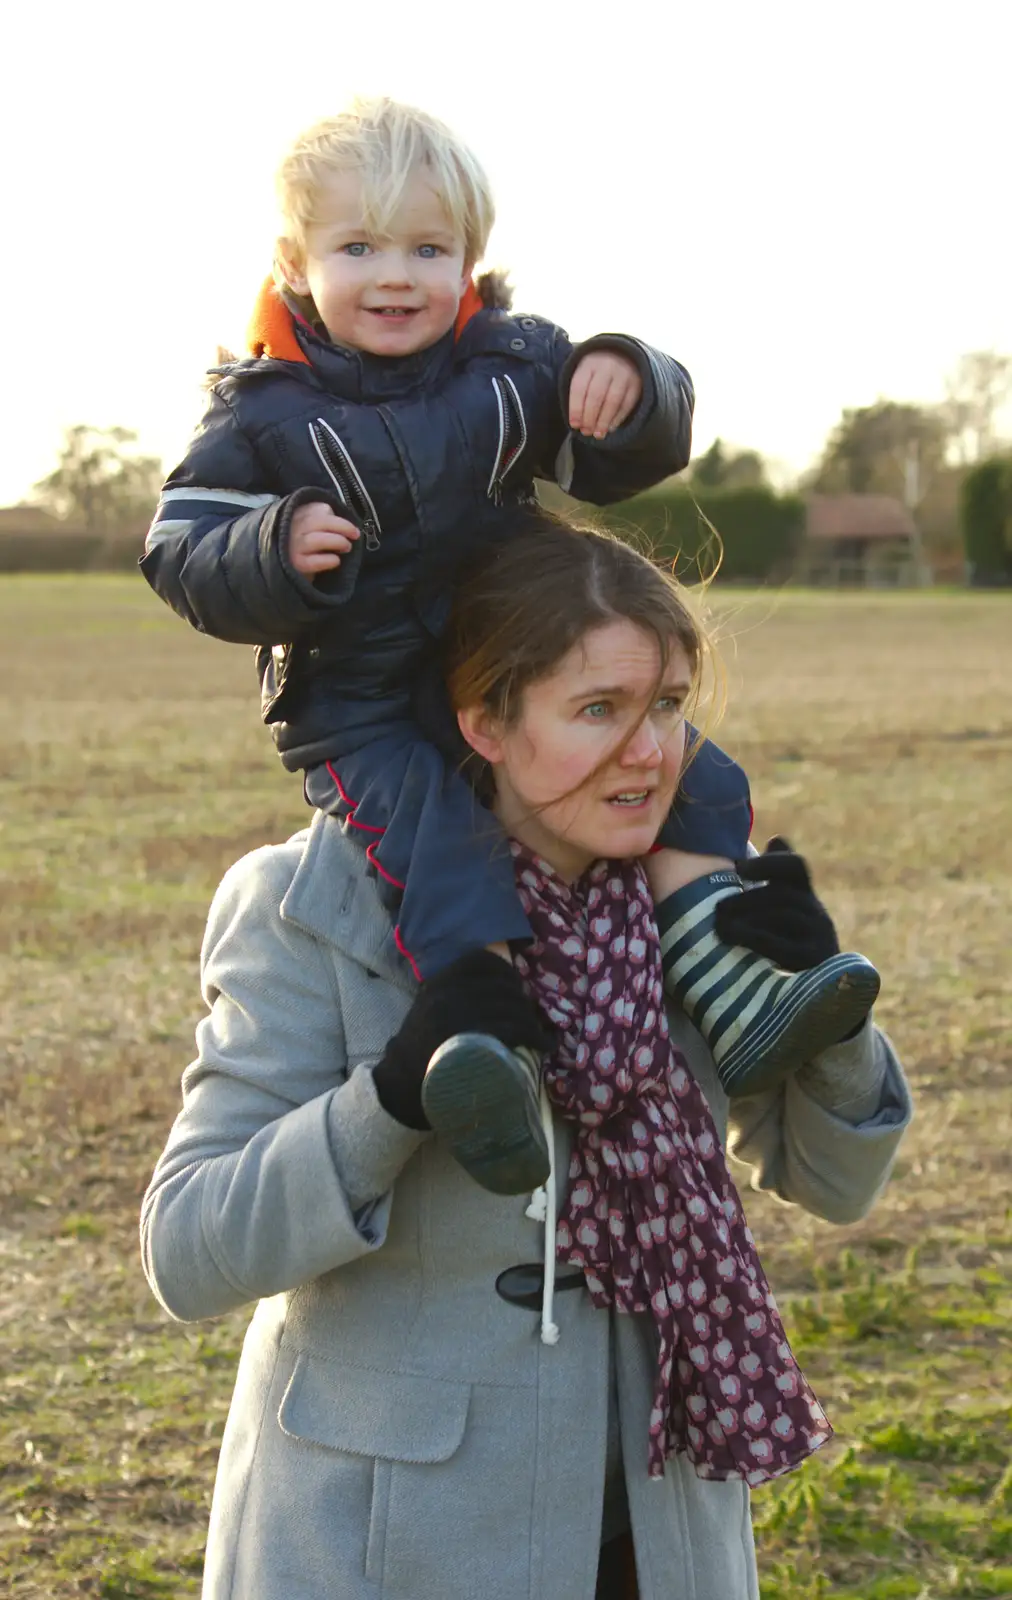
860 540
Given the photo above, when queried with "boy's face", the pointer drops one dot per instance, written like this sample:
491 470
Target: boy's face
389 296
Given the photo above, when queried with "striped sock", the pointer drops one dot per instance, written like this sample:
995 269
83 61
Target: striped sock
722 988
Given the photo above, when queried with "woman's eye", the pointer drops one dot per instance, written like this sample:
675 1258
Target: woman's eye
358 248
597 710
668 706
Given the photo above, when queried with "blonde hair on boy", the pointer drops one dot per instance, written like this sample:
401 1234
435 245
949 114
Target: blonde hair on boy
385 142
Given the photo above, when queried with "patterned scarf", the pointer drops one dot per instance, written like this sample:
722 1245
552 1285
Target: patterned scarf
652 1216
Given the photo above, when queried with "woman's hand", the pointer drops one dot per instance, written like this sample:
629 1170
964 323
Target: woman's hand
782 918
480 993
605 390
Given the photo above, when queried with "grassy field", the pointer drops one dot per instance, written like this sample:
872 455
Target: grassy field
878 733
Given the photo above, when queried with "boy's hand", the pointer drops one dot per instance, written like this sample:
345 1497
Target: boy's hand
317 539
605 390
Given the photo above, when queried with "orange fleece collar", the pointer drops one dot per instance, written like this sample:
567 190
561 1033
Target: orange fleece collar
271 331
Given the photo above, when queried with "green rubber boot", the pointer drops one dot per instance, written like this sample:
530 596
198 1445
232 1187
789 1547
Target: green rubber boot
760 1022
482 1098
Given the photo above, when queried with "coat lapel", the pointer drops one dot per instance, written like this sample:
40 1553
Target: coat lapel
333 898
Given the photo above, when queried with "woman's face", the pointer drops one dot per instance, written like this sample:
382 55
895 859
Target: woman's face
569 724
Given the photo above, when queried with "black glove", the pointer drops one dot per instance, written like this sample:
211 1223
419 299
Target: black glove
783 918
480 993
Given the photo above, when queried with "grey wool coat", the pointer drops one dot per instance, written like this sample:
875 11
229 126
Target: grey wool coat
397 1430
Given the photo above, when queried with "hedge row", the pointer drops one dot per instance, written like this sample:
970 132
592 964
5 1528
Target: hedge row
66 552
753 533
986 517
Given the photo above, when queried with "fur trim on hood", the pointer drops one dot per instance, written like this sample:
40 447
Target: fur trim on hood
495 290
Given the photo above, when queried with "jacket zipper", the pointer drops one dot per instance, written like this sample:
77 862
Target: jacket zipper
512 434
345 476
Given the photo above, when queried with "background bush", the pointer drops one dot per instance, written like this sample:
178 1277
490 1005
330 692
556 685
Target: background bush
986 517
68 551
760 531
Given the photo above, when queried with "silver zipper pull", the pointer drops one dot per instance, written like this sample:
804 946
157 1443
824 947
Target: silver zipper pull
371 536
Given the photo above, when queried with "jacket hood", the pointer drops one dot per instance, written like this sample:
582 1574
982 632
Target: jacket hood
271 330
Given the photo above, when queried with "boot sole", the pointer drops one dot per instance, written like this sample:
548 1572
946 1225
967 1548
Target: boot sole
818 1013
478 1097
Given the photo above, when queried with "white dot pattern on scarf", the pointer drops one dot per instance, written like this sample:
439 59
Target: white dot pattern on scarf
652 1215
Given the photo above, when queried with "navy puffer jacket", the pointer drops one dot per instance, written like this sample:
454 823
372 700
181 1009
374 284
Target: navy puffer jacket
430 455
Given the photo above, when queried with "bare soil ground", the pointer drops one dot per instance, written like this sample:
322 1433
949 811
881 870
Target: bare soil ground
133 770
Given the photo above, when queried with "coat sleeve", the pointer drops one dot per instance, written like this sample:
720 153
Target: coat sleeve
251 1195
810 1153
653 444
217 549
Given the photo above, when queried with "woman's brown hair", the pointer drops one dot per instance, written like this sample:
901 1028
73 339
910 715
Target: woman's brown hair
523 607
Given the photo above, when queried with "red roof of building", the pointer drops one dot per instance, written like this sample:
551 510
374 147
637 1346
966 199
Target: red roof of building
858 516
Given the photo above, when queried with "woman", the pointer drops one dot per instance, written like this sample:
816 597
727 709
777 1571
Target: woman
398 1426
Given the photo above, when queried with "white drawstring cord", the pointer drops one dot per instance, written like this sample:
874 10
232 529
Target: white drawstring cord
543 1209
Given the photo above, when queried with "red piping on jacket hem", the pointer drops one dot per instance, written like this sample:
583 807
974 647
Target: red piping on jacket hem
368 828
406 953
352 808
380 868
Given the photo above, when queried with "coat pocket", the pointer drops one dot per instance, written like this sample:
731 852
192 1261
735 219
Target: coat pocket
397 1416
390 1417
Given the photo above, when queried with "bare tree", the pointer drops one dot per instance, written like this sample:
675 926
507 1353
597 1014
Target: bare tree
99 480
886 448
976 391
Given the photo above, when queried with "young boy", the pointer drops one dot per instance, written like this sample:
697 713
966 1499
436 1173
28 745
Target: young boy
391 421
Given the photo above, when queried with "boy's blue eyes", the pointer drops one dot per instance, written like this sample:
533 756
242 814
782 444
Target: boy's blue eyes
359 248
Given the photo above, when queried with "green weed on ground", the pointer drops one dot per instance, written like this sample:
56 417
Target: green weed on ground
915 1496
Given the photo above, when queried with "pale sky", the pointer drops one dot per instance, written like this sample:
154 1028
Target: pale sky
806 201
